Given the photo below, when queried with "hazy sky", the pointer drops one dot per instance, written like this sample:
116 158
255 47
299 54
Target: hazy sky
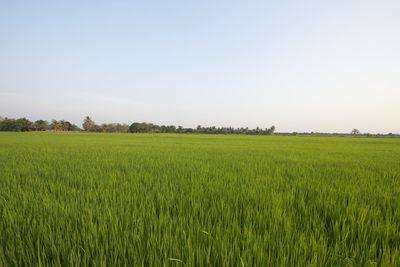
300 65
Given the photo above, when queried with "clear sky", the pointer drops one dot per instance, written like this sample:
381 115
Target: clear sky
300 65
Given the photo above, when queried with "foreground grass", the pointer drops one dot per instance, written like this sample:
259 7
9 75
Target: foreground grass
197 200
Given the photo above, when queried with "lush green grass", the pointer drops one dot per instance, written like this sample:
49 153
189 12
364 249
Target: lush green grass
197 200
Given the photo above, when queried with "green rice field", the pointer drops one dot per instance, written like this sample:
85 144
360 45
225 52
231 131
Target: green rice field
76 199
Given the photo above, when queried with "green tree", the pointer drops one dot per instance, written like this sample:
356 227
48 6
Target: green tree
272 129
88 125
25 124
55 126
41 125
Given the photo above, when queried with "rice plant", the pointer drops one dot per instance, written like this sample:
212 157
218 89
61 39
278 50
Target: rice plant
198 200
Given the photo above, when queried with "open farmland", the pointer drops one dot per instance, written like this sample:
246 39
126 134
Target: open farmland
198 200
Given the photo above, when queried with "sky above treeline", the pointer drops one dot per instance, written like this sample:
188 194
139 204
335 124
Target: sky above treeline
327 66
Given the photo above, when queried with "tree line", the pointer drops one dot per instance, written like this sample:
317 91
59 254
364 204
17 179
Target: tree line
25 125
88 125
144 127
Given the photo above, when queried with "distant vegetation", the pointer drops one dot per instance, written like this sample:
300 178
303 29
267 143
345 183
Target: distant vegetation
25 125
88 125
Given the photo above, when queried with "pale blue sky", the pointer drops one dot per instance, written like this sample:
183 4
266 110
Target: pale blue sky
300 65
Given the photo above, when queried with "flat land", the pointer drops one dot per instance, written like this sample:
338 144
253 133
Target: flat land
69 199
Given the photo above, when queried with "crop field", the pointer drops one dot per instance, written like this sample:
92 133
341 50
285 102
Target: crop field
73 199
